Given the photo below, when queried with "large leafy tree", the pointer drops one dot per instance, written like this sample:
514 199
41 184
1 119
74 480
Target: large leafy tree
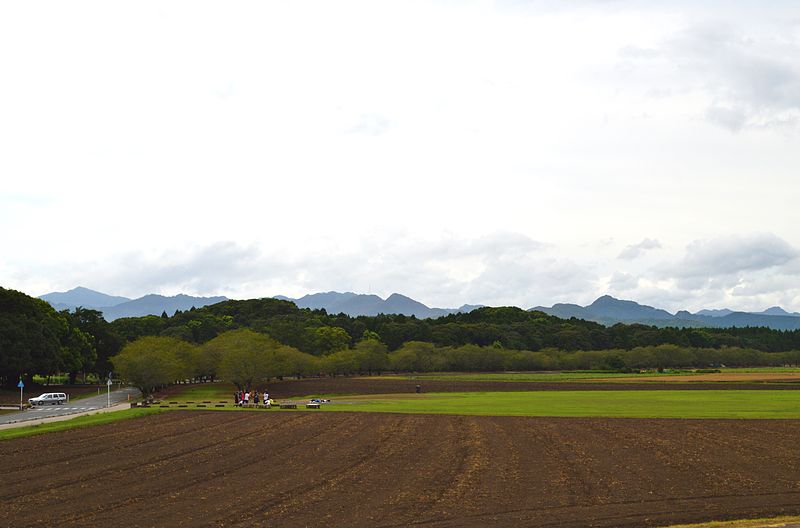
329 339
152 362
371 356
246 357
33 337
77 351
105 342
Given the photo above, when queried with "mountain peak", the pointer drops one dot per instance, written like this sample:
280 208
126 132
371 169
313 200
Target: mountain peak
610 307
82 296
398 296
775 310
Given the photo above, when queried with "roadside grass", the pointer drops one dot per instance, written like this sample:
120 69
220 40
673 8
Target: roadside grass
776 522
611 404
81 421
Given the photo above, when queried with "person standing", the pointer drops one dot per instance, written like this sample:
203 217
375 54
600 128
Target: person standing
266 399
255 398
247 398
236 398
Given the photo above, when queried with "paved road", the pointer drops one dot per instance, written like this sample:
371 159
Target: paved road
76 406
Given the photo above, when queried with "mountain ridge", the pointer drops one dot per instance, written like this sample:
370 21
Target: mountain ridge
150 304
355 304
608 311
605 310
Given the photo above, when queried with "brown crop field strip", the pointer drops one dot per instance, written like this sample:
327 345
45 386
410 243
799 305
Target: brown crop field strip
344 385
194 468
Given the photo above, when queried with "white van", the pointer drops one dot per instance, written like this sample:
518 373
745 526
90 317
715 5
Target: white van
53 398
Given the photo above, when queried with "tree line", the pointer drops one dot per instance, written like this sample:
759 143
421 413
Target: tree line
36 339
249 359
318 333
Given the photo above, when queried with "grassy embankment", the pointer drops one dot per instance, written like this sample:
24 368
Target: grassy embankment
81 421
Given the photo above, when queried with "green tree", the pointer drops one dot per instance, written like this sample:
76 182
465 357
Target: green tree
342 362
329 339
416 356
32 335
246 357
77 351
371 356
151 362
104 340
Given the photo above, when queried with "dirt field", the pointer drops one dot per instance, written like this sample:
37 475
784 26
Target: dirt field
343 385
383 470
346 385
755 377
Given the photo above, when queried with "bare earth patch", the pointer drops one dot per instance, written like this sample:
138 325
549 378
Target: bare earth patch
754 377
385 470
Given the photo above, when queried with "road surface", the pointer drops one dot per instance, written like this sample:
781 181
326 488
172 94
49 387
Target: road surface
76 406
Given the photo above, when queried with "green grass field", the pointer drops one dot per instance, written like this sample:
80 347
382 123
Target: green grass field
81 421
613 404
616 404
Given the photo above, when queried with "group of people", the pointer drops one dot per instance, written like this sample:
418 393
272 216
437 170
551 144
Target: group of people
246 398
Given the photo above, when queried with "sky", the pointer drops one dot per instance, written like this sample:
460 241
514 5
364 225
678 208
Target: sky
502 153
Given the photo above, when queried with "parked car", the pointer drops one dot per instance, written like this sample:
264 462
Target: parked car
53 398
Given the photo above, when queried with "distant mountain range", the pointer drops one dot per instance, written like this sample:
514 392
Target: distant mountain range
114 307
355 304
608 311
605 310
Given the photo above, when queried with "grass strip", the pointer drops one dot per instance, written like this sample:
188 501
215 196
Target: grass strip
735 404
80 421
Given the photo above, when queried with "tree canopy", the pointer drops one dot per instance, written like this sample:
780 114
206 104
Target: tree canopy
272 338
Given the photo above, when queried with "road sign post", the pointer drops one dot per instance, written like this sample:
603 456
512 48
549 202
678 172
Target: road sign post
108 385
21 386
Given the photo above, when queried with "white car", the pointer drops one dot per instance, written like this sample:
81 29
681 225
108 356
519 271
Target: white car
53 398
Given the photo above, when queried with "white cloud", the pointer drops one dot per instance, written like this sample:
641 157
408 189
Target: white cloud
735 254
747 74
455 152
635 250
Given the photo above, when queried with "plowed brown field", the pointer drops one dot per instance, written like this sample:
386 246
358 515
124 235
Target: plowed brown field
343 385
383 470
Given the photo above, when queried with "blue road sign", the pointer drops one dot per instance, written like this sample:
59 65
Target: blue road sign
20 384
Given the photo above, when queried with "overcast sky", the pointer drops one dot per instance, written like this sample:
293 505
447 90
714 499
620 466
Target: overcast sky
512 152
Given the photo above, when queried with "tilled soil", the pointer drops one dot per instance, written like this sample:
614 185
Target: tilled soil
201 468
345 385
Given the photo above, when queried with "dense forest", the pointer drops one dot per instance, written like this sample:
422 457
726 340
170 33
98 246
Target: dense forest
36 339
